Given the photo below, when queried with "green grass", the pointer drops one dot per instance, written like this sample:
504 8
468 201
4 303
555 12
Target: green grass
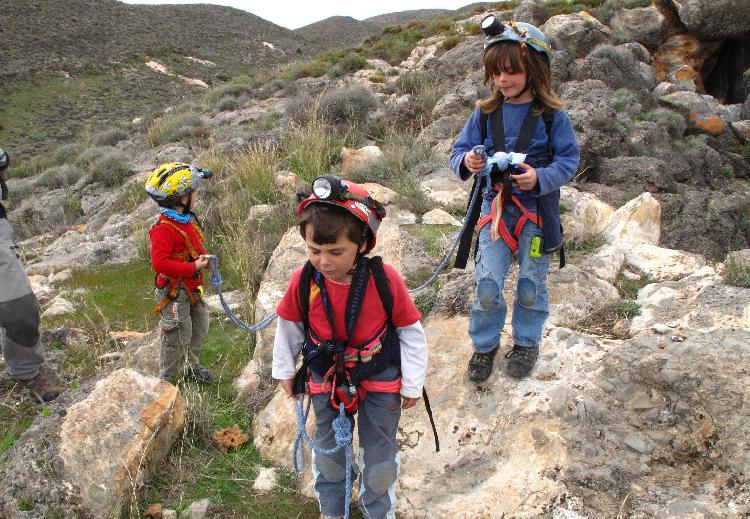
119 296
195 469
736 274
434 237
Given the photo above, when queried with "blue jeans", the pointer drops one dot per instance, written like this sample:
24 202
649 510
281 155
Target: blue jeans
530 309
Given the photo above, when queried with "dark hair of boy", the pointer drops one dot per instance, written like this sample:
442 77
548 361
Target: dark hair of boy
509 57
329 222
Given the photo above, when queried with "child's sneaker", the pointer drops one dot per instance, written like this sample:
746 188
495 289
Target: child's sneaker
521 360
199 374
45 385
480 365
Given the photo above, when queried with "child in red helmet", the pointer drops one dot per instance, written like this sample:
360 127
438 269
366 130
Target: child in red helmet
355 350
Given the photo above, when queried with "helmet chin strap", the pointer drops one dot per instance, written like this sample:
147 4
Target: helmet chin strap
362 241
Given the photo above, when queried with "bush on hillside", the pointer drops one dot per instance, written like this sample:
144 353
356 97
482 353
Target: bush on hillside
67 153
109 137
176 128
58 177
227 104
90 155
111 169
347 106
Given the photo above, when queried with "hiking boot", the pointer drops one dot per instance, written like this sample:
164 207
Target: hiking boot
480 365
521 360
45 385
199 374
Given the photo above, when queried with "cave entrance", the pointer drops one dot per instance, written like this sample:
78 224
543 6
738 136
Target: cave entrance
722 75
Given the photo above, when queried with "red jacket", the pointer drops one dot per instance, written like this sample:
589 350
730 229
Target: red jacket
170 255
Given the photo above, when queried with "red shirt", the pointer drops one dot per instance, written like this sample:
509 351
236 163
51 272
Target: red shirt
167 251
372 315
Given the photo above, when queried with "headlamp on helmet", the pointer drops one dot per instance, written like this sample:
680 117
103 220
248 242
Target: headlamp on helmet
491 26
525 34
328 187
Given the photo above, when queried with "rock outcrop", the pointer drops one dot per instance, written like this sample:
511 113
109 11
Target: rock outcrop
94 449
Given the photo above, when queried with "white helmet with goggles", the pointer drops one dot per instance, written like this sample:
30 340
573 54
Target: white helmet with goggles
523 33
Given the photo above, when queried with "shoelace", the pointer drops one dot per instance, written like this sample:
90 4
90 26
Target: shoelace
517 351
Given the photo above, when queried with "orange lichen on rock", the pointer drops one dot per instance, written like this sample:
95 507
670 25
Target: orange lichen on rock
230 438
154 511
712 124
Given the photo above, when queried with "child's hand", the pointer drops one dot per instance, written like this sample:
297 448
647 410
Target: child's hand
473 162
287 385
526 180
407 402
201 263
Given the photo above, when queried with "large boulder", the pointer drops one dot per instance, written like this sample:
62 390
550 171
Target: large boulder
681 58
646 25
94 450
640 173
598 133
584 215
576 33
636 222
620 66
720 19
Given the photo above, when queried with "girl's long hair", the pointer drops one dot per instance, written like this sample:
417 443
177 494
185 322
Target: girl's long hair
507 57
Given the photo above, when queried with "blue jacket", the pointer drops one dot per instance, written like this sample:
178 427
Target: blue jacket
551 175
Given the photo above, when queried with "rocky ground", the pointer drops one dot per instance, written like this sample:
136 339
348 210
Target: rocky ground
637 407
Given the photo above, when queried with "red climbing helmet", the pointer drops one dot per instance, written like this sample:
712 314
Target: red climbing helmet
330 189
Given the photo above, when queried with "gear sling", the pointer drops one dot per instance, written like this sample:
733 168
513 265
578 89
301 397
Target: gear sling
347 368
506 196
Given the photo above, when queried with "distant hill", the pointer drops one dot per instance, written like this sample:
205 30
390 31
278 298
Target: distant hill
402 17
49 34
338 32
73 64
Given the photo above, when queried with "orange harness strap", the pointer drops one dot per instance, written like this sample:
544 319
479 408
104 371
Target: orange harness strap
190 253
390 386
498 228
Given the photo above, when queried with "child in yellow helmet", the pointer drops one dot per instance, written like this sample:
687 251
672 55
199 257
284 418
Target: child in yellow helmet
178 256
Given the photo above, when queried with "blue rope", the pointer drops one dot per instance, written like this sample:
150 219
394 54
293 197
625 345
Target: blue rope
216 282
342 429
502 159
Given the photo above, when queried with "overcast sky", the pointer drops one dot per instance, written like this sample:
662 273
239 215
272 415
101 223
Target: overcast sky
293 14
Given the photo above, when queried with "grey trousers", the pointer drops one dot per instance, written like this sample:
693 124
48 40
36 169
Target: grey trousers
183 330
20 336
378 461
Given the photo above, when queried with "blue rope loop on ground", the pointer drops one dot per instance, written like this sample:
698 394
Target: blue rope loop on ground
342 429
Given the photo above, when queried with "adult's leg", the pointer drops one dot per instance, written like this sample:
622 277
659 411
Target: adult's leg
20 337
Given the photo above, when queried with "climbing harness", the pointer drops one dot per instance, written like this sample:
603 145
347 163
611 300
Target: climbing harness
189 254
497 172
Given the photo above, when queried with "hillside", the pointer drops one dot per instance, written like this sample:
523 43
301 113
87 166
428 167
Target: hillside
637 405
47 35
78 64
338 32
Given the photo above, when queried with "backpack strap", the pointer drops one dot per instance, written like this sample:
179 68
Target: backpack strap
381 283
304 293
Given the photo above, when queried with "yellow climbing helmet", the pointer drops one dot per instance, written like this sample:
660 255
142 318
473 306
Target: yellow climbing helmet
169 182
